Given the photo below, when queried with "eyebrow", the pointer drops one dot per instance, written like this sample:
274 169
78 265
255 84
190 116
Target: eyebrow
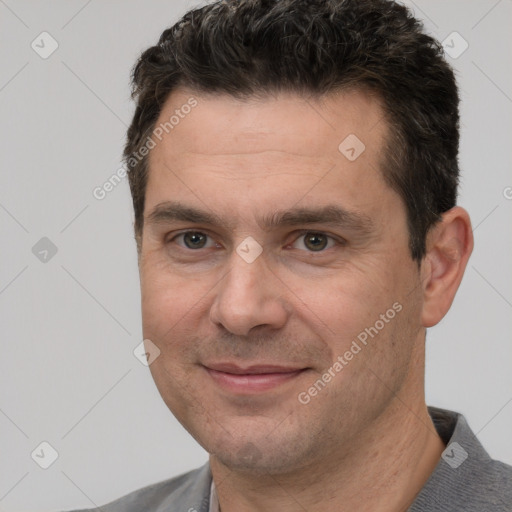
333 215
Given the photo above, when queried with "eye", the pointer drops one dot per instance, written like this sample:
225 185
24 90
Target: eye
193 240
314 241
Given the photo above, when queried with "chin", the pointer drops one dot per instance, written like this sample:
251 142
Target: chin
251 461
260 455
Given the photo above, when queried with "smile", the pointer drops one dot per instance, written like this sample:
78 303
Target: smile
254 379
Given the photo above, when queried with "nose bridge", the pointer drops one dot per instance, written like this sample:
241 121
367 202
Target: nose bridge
242 280
248 296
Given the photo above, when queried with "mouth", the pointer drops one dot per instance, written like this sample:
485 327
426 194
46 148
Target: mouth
251 379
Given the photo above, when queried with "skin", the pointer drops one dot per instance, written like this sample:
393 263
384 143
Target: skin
365 441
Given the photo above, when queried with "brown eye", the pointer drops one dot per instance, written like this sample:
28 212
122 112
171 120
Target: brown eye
312 241
315 241
194 239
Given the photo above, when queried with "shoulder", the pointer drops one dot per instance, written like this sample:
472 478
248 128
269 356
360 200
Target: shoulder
188 492
484 485
466 478
494 482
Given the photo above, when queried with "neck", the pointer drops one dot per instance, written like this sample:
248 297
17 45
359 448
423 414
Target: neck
382 471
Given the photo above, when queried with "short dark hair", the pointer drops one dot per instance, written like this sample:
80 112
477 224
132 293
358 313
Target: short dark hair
250 48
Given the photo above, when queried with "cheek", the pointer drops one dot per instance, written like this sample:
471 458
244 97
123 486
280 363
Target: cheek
357 297
363 304
166 299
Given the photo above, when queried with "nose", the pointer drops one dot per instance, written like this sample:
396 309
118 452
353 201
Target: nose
249 296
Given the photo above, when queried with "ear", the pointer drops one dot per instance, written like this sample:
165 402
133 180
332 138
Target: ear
449 246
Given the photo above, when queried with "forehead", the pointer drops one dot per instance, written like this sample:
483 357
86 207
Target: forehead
221 124
260 155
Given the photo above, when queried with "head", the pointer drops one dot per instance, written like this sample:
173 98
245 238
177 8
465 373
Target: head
312 48
293 168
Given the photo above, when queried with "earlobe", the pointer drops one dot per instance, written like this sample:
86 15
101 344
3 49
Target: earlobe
449 246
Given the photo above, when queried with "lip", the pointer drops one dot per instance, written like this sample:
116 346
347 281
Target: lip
251 379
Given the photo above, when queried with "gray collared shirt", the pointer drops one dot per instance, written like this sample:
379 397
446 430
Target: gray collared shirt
465 479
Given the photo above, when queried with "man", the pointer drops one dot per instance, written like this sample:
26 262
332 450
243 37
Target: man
293 167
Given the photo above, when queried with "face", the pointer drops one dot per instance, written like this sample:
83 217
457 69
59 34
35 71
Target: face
276 276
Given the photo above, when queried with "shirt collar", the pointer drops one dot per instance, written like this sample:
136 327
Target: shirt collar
214 500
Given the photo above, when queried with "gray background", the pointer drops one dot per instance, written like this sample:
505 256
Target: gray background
70 324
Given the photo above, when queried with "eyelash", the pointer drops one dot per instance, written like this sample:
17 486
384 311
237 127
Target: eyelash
301 233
